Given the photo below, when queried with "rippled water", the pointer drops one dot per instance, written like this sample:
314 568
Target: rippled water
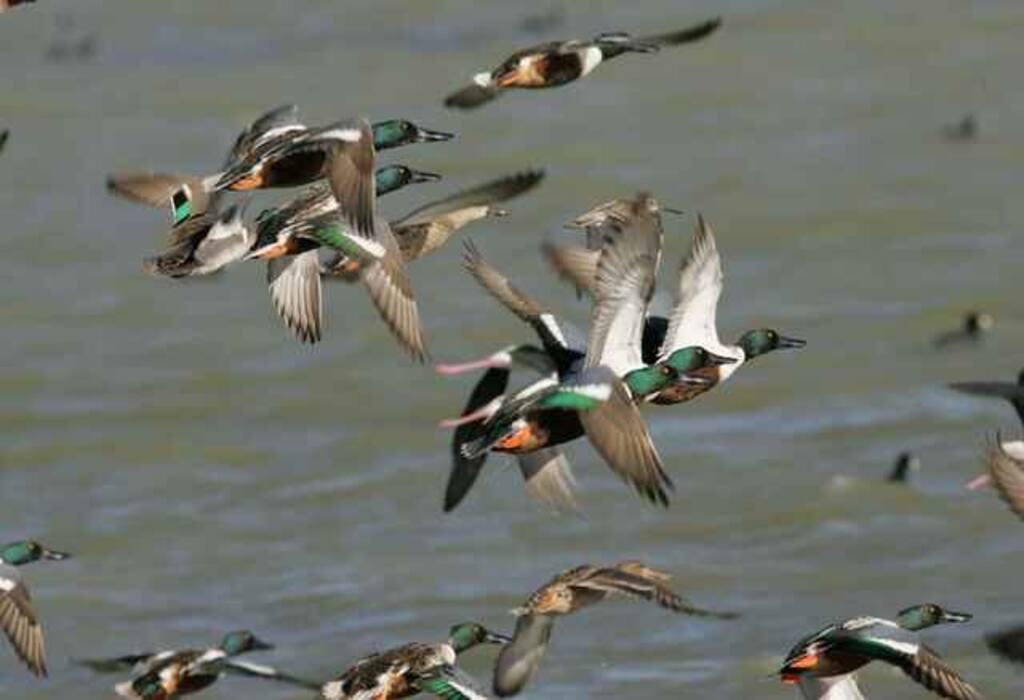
209 473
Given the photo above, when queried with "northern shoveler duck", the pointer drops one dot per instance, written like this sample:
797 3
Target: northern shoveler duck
204 244
963 131
599 399
546 471
906 464
1008 391
350 158
18 617
1008 643
191 195
289 237
312 154
415 668
167 674
692 321
614 213
843 647
569 592
4 135
975 325
558 63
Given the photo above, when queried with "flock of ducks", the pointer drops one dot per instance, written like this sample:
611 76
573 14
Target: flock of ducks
591 386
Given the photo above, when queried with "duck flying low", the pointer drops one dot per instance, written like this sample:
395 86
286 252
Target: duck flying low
415 668
558 63
18 618
843 647
569 592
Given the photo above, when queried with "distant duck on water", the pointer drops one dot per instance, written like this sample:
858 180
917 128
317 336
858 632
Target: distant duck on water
973 328
906 464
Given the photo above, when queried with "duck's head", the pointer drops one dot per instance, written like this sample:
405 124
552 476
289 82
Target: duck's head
467 635
647 380
395 177
764 340
28 551
401 132
241 641
919 617
693 358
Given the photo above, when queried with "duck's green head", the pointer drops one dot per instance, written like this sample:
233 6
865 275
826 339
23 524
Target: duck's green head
692 358
395 177
242 641
649 379
28 551
401 132
764 340
467 635
926 615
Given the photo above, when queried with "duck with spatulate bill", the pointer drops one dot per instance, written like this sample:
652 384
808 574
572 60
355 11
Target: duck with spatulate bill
844 647
415 668
558 63
169 674
18 618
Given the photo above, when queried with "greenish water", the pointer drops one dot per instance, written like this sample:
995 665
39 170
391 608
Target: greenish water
209 473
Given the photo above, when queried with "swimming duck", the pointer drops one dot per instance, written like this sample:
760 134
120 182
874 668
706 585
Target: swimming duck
18 617
906 464
204 244
569 592
350 158
975 325
558 63
964 130
1008 391
168 674
415 668
843 647
692 321
1008 643
189 195
288 238
4 135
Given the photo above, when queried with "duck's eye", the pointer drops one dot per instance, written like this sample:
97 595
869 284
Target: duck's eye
665 370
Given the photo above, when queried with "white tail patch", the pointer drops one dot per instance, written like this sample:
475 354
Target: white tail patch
592 57
7 584
347 135
483 79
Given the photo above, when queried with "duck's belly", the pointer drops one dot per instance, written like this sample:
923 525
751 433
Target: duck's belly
681 393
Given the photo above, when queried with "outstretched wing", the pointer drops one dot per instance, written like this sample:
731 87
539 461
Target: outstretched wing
624 284
472 96
618 433
498 190
297 294
683 36
626 581
390 290
549 479
1008 476
465 470
246 668
19 622
700 285
519 659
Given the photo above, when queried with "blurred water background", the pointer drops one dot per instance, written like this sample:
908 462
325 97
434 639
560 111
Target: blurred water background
209 473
